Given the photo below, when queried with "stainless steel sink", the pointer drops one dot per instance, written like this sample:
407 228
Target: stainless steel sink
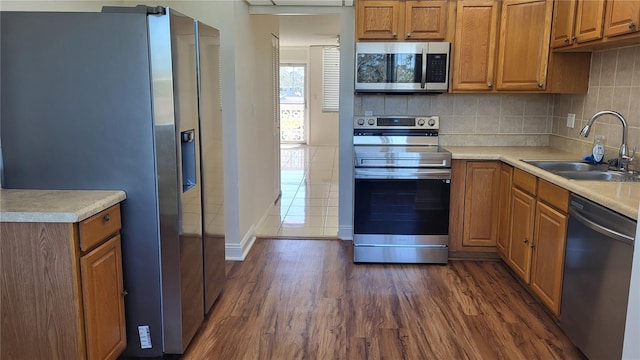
598 175
567 166
576 170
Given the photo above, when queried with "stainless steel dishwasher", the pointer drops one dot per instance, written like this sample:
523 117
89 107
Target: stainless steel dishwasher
597 272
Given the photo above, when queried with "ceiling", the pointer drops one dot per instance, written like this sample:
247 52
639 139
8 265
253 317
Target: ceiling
307 30
301 2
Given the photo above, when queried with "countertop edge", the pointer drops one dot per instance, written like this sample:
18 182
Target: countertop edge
100 200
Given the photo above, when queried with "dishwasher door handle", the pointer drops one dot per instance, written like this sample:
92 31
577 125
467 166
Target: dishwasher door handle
601 229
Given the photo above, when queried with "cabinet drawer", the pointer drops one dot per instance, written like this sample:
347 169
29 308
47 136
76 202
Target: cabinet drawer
553 195
524 181
98 227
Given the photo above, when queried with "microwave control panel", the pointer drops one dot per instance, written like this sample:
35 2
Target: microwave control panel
436 68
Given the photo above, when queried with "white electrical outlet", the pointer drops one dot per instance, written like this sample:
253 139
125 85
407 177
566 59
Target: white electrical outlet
145 337
571 120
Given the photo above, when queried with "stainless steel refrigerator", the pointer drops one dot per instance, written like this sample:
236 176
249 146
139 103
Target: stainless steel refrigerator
128 99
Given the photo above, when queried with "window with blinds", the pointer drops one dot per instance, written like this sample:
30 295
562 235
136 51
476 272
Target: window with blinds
330 78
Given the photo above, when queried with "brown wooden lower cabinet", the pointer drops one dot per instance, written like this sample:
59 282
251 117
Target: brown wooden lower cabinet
504 210
58 301
522 219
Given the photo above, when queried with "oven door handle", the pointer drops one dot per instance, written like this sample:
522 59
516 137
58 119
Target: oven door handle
402 173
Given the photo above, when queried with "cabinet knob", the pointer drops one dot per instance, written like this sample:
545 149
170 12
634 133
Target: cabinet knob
106 218
489 84
526 241
540 85
395 35
533 245
566 40
632 25
573 38
125 293
408 35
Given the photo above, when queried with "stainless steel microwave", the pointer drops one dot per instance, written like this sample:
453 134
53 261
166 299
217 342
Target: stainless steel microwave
404 67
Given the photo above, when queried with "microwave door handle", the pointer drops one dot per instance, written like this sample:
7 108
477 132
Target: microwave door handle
424 69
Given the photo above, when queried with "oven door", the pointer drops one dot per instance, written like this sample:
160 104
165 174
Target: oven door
402 201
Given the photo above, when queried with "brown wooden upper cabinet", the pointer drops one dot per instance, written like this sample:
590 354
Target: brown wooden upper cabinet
504 46
622 17
523 50
577 21
475 45
401 20
594 24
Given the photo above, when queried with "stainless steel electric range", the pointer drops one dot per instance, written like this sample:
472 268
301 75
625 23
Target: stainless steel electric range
402 190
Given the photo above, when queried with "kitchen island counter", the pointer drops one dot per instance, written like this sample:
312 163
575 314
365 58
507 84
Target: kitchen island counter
55 206
622 197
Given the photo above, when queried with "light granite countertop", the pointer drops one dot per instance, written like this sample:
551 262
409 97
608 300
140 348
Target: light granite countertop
622 197
55 206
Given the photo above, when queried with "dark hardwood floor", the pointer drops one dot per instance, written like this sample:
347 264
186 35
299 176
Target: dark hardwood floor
295 299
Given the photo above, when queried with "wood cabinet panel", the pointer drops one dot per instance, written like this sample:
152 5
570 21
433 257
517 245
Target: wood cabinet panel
425 20
481 202
622 17
548 255
475 45
99 227
563 23
504 210
523 52
41 302
378 19
589 19
553 195
522 222
102 290
525 181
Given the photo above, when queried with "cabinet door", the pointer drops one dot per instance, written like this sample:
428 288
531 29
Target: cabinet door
523 53
504 210
102 292
563 23
522 221
475 45
548 255
589 18
481 203
622 17
425 20
378 19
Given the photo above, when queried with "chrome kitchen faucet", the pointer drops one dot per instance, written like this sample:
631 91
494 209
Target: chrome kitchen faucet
623 154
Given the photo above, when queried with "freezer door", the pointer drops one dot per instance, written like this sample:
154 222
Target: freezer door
174 83
209 98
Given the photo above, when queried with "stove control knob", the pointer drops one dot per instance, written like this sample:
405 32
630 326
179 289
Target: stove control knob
371 122
431 122
360 121
420 122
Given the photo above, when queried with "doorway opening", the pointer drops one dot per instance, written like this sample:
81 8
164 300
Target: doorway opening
293 103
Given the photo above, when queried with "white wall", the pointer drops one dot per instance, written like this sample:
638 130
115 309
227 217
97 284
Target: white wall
323 126
294 55
50 5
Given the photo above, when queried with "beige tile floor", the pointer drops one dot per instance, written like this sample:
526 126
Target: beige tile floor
308 207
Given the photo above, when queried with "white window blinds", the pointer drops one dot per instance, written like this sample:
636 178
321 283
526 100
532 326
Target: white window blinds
330 78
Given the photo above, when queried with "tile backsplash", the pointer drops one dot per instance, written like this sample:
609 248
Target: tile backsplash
614 84
492 119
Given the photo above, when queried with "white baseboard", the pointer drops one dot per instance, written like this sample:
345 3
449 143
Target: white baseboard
238 252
